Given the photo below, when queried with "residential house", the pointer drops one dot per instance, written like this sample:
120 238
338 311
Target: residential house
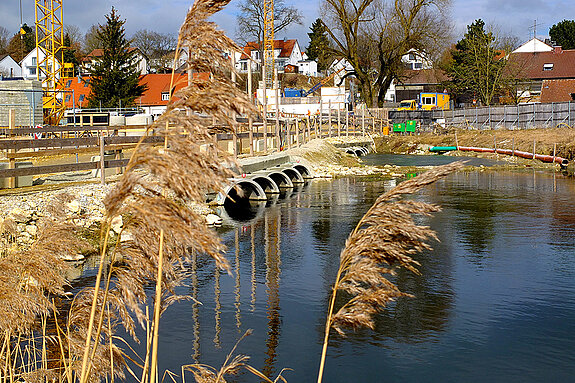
543 72
285 52
29 65
533 46
307 67
90 60
558 90
416 60
9 68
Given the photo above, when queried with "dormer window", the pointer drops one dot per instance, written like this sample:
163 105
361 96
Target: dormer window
165 96
548 66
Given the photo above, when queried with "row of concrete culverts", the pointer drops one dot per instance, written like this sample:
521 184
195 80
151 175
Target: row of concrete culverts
357 151
258 186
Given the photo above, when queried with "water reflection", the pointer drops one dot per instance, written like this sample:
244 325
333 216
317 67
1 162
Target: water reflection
493 294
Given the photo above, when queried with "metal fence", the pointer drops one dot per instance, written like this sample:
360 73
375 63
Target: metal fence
527 116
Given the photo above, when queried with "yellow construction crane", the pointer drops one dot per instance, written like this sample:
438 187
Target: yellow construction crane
49 50
269 42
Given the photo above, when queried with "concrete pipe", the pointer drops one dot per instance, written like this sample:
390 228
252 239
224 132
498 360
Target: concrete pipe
267 184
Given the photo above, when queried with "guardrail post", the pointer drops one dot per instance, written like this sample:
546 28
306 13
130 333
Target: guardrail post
11 161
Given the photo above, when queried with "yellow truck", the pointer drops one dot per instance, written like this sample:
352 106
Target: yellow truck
427 101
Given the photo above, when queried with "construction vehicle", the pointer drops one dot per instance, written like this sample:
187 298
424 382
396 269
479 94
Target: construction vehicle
426 101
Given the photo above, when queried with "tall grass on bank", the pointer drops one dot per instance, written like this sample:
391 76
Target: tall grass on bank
160 230
384 240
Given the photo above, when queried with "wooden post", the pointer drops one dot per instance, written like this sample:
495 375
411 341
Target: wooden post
456 142
513 148
329 118
338 121
494 144
288 133
297 131
278 136
533 149
363 121
347 123
251 96
320 135
251 133
102 162
308 126
554 151
11 161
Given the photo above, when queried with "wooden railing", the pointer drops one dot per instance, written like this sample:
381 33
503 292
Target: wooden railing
276 133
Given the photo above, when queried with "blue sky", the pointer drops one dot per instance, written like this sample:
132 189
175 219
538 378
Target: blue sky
513 17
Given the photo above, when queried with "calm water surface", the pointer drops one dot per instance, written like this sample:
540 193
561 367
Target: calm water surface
495 301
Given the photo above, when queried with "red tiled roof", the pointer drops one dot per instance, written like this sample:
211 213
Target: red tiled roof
157 84
530 65
76 92
286 47
557 90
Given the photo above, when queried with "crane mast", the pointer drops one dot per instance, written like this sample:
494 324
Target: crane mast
49 52
268 42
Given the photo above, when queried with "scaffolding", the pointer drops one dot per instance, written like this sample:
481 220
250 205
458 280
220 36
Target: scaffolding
49 52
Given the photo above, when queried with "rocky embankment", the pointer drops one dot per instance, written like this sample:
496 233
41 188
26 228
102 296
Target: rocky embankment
22 214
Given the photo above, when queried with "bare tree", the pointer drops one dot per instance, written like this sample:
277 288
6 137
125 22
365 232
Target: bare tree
156 47
251 19
4 38
91 40
374 35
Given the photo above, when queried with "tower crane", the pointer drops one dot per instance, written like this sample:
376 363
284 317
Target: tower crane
49 61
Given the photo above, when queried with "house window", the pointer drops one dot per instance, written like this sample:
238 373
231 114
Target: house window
86 83
256 55
411 57
68 83
81 98
244 66
548 66
32 71
165 96
68 98
573 96
417 65
33 60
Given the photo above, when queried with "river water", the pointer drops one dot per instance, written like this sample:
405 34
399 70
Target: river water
495 301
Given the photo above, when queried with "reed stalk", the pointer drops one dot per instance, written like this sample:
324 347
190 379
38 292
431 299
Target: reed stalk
382 242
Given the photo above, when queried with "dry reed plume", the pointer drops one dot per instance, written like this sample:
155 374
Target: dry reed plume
160 230
384 240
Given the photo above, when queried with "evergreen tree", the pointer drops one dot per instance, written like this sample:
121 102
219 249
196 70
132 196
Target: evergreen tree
563 34
115 76
474 68
318 48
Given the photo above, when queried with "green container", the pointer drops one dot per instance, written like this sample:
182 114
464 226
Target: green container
410 126
397 127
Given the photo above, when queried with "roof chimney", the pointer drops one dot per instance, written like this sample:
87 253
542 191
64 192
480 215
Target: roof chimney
557 49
